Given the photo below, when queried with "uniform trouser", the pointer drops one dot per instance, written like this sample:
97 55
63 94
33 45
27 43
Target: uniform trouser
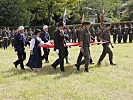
125 36
114 38
21 57
81 56
46 54
60 60
106 50
5 43
12 42
130 37
86 59
74 39
119 38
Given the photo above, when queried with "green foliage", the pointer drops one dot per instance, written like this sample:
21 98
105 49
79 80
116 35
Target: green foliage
39 12
128 14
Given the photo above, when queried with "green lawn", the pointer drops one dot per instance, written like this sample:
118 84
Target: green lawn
104 83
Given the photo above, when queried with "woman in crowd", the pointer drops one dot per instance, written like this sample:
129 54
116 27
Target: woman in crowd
35 60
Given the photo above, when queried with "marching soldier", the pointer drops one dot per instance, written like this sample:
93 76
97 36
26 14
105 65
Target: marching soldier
59 47
119 33
105 37
45 38
115 31
131 33
84 41
125 33
19 43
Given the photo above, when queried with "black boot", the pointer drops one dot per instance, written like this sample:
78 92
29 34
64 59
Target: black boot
15 64
78 67
86 69
111 63
66 60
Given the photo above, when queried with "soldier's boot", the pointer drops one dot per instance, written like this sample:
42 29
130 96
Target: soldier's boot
99 63
77 66
66 60
62 69
86 69
15 64
111 63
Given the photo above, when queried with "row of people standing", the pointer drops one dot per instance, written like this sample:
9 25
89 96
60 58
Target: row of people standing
7 37
125 33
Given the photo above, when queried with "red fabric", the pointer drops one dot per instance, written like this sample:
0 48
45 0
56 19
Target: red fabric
51 44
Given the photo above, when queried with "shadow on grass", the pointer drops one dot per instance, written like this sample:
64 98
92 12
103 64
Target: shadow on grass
48 70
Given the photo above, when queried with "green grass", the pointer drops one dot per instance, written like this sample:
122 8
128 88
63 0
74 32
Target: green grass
104 83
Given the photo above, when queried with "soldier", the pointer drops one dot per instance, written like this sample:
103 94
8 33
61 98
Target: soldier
74 35
19 43
119 33
5 38
131 33
9 35
105 37
12 37
115 31
59 46
29 34
1 39
93 33
98 33
84 41
45 38
125 33
78 34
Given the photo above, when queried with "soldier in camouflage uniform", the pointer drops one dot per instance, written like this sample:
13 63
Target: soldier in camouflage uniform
84 41
105 37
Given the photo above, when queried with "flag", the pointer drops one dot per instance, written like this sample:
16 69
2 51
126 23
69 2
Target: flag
83 18
64 17
102 17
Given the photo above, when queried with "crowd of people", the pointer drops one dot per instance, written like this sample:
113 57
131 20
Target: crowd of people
86 33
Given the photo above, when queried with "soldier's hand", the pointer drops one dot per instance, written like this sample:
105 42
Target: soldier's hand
82 50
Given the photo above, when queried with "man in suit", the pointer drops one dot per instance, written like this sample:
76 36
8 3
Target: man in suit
59 47
45 38
19 43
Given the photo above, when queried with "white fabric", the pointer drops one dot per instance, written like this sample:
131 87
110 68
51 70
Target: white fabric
32 42
57 51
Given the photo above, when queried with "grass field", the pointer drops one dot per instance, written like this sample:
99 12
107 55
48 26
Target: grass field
104 83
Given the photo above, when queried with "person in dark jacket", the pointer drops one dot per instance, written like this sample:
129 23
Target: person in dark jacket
35 60
59 46
19 43
119 33
45 38
125 33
